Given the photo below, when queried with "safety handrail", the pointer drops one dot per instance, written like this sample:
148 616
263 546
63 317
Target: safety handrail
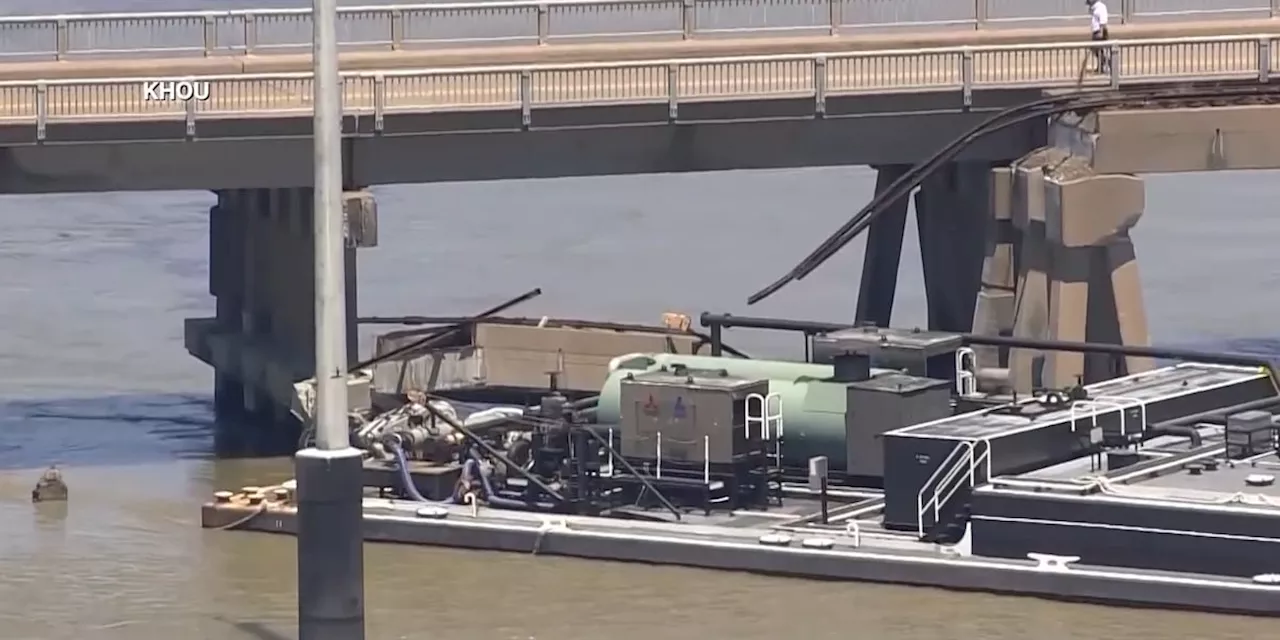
1119 404
398 26
966 371
944 467
768 419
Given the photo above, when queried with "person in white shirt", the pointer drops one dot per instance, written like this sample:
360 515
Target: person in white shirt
1098 31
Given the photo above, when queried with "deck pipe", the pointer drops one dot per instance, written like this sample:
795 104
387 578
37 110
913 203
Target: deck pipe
811 328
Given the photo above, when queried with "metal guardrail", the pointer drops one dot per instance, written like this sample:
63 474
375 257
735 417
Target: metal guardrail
395 27
670 82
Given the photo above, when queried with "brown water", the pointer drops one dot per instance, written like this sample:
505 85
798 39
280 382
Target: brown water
93 375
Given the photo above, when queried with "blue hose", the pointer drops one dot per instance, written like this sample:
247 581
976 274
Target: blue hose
492 496
469 469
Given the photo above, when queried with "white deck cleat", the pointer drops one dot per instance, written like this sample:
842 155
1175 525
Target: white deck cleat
434 513
817 543
776 539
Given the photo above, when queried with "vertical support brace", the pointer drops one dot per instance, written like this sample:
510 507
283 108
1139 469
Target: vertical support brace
980 13
397 29
190 114
210 35
42 110
673 92
966 78
379 102
526 98
544 24
1114 57
250 33
1275 8
820 87
688 19
835 16
1264 59
62 39
1127 10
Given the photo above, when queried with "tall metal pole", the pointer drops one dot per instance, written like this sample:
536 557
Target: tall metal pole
330 536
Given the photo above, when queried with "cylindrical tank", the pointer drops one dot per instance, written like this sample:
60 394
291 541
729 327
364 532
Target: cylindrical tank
813 410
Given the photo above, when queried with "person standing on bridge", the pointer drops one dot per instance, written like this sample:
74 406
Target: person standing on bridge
1098 30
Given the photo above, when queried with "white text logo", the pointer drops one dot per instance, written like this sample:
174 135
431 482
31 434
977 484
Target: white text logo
157 90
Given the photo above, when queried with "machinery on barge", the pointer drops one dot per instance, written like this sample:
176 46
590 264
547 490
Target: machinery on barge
897 427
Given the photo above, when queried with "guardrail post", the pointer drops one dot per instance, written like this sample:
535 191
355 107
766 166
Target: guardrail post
1114 56
835 16
980 13
544 24
62 39
966 78
190 112
379 102
250 33
397 29
42 110
820 87
688 19
1264 59
673 92
210 35
1127 10
526 98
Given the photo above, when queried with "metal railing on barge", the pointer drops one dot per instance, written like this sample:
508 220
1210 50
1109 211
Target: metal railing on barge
395 27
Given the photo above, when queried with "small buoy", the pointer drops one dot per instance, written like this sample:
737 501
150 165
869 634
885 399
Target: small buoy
1272 579
776 539
818 543
434 513
50 487
1260 480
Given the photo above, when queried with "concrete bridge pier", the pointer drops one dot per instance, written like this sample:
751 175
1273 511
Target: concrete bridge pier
1076 274
261 261
883 255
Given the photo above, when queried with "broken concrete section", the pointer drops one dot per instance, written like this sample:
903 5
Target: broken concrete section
1067 252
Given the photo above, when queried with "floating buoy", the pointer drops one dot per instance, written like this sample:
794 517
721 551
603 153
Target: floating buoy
50 487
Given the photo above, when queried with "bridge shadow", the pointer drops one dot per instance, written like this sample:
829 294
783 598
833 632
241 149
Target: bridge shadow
128 430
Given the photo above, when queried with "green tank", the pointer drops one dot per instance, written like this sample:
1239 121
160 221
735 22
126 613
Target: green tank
813 409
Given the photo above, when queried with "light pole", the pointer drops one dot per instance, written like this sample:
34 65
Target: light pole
330 522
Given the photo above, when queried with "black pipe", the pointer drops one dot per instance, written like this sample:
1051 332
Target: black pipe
1041 108
443 332
806 326
632 470
1185 425
493 451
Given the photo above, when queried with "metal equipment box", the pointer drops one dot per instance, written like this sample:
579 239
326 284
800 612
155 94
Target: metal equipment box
884 403
1249 433
929 354
689 416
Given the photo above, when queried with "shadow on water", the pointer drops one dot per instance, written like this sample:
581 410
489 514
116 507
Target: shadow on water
127 430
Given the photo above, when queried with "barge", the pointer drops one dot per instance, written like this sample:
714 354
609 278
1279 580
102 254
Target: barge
883 457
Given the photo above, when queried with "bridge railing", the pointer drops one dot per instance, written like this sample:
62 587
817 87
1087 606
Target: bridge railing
527 89
511 22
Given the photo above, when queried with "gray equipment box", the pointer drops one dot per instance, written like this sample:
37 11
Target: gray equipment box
884 403
696 415
921 353
1249 433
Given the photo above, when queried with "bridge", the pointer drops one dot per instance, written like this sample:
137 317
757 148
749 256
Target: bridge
1058 182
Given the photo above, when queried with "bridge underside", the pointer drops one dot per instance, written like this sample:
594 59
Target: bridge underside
446 147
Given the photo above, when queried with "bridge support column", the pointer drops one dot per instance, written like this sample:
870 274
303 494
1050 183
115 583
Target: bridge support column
1077 278
883 254
952 213
994 307
261 261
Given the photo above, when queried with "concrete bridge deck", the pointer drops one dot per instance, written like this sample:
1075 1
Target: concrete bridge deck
517 22
961 71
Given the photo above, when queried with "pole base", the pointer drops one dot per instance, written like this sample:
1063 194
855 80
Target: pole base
330 544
